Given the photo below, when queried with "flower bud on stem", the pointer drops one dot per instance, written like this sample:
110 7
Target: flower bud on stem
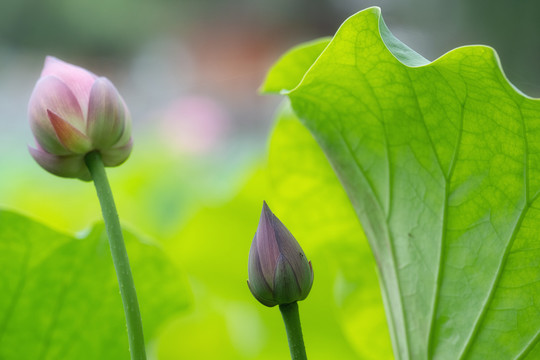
291 318
280 274
119 255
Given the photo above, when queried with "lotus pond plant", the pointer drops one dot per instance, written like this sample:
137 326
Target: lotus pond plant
438 160
81 124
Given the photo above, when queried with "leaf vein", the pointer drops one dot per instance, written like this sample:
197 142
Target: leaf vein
528 348
480 319
392 252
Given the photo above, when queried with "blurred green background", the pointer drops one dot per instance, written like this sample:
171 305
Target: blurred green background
202 162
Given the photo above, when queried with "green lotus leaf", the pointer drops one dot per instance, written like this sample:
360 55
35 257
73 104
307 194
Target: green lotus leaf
60 297
441 162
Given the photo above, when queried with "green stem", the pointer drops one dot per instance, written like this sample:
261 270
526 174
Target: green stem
119 255
291 318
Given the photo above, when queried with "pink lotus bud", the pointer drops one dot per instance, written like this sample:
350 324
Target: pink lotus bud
279 272
73 112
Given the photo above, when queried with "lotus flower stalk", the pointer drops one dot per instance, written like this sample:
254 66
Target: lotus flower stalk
81 124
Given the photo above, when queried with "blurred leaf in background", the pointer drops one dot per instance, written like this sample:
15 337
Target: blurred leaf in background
342 318
311 199
156 189
113 27
60 297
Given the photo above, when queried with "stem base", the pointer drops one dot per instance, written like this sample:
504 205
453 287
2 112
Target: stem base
291 318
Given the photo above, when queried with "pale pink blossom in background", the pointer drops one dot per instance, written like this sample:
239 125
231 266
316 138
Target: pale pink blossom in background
194 125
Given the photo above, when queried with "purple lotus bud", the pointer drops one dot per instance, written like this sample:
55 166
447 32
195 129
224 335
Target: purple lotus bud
279 272
73 112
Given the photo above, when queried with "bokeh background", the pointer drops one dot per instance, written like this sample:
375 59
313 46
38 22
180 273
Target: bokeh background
189 72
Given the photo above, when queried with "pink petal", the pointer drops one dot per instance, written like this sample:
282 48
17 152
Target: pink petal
117 155
71 166
125 138
106 115
50 93
69 136
78 80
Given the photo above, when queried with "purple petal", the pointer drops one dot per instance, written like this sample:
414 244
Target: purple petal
78 80
106 115
290 248
257 283
50 93
305 282
71 166
266 302
292 251
267 245
286 288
